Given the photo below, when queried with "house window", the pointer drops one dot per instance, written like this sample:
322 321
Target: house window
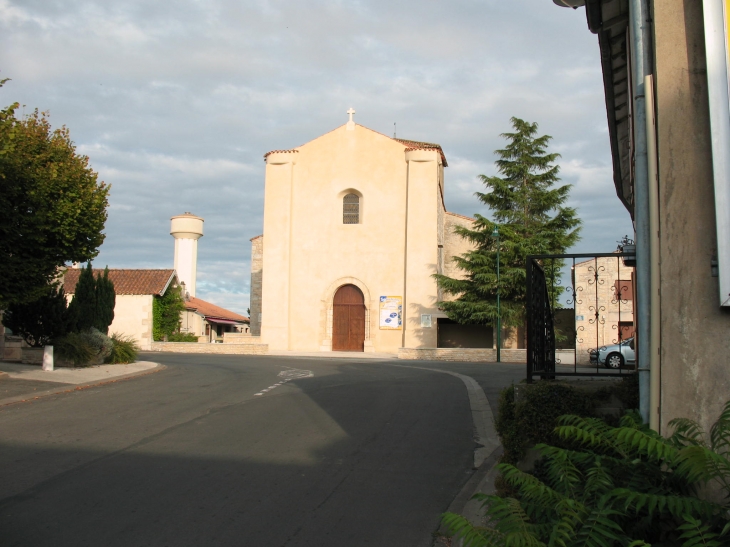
351 209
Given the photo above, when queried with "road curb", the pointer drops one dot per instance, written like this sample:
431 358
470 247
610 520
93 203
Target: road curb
68 388
475 483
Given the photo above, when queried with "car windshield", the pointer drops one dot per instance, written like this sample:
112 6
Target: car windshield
627 342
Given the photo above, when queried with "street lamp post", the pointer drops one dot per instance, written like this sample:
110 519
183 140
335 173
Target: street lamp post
495 234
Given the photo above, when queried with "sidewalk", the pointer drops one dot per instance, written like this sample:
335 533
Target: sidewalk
24 382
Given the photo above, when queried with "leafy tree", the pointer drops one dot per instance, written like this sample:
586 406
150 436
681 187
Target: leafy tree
531 217
40 321
53 207
166 310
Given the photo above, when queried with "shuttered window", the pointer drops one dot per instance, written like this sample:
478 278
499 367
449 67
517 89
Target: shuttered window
351 209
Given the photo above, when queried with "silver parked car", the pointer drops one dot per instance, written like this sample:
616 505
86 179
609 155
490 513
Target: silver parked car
615 355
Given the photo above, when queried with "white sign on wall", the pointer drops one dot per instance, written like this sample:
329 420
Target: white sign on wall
391 312
717 32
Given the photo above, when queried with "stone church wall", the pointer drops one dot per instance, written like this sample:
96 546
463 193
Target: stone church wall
257 263
454 245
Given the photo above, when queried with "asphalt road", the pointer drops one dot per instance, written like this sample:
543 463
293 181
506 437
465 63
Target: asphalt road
338 453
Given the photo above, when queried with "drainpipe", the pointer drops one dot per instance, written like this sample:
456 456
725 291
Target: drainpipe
641 65
655 301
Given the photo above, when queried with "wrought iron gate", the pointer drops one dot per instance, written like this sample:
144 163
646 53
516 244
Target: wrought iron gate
599 325
540 327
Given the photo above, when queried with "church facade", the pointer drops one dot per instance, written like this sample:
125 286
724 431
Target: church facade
354 228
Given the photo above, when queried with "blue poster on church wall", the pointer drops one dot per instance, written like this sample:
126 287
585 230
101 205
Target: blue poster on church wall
391 311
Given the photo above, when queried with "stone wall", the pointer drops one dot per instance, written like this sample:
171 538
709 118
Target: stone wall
240 338
463 354
694 329
225 349
32 356
257 272
12 350
454 245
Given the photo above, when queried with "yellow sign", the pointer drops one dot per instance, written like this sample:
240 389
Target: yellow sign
391 312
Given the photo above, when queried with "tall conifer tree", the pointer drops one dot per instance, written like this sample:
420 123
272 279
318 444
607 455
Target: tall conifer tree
105 300
532 219
93 302
82 308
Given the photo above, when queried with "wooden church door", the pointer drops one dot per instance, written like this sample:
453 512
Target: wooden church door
348 319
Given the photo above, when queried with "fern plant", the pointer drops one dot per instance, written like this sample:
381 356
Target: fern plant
613 486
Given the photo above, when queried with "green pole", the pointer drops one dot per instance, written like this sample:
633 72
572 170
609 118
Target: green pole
499 312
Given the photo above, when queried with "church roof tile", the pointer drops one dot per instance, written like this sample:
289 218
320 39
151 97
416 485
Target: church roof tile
418 145
278 152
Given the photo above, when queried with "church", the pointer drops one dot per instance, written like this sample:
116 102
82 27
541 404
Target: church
355 226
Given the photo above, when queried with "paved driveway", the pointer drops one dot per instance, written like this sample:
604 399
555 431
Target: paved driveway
243 450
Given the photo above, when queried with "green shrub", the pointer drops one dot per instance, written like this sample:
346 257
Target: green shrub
533 419
84 349
623 485
627 391
75 348
182 337
124 349
101 343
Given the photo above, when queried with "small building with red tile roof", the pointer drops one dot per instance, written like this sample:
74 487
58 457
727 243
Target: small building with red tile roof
210 322
135 291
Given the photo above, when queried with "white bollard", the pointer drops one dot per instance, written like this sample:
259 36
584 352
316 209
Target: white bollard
47 357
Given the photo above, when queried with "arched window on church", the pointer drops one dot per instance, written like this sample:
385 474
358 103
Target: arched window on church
351 209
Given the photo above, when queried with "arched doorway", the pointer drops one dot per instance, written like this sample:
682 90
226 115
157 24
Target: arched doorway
348 319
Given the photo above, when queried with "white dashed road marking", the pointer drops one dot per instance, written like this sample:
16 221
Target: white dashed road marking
286 376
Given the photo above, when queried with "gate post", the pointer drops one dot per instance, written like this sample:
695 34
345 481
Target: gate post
530 320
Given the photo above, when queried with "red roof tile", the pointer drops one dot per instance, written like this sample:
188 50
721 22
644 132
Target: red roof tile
279 152
207 309
417 145
125 281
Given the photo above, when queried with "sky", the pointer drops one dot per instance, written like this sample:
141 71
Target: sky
176 102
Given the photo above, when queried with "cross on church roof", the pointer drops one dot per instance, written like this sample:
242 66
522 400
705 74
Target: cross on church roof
351 123
351 111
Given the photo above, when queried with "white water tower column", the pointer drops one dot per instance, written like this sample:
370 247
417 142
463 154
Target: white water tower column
187 229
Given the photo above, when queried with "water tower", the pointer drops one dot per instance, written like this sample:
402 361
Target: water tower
187 229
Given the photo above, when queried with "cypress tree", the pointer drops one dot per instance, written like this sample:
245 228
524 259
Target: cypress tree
83 306
105 300
531 217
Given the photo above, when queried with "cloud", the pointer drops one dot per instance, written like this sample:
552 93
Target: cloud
175 103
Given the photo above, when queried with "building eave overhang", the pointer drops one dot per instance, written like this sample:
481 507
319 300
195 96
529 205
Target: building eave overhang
609 20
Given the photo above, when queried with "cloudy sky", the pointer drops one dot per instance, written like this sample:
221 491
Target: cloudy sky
176 102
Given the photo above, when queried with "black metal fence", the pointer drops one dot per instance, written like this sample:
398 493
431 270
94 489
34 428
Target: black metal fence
582 325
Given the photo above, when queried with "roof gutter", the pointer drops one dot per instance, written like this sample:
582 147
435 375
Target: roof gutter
640 36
